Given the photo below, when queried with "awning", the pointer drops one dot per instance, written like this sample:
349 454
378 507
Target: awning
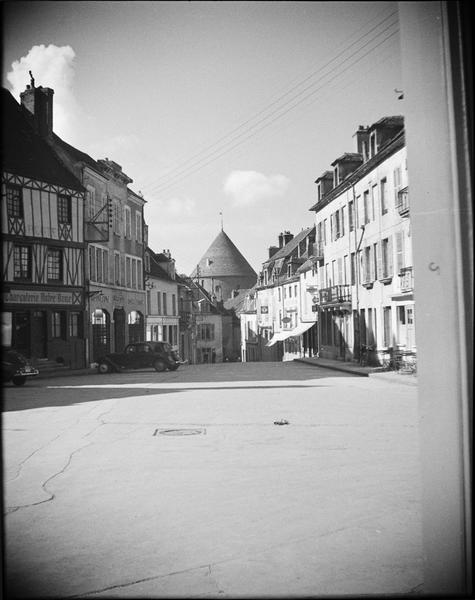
283 335
301 328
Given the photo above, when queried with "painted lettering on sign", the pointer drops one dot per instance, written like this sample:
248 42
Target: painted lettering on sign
30 297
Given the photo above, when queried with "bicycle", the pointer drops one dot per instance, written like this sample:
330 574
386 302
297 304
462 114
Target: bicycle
364 354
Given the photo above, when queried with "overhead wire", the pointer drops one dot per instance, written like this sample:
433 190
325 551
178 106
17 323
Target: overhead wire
279 112
301 82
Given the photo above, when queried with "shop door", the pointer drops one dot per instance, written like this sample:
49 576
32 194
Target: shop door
119 329
21 333
38 334
411 342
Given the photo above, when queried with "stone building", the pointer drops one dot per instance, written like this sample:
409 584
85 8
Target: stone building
223 270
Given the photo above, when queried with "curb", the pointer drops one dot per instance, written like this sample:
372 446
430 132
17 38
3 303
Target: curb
334 367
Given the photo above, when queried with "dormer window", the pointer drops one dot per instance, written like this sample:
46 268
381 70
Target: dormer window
372 144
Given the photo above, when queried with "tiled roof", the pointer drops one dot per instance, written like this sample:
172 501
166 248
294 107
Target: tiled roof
26 153
286 250
223 259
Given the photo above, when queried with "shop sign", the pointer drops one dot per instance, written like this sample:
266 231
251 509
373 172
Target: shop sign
264 310
40 297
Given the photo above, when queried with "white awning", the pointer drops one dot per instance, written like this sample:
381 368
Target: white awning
278 337
301 328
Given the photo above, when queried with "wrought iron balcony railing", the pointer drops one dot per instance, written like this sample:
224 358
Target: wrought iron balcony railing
402 203
406 281
335 295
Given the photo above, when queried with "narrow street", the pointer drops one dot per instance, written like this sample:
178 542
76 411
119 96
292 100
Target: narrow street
180 484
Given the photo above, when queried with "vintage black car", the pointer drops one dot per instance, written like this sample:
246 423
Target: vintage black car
16 368
141 355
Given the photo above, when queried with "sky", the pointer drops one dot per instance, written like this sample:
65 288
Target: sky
222 113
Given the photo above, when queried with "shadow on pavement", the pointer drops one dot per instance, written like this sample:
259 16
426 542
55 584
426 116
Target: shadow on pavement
69 391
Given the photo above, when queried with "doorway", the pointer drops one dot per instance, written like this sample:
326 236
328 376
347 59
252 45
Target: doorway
38 334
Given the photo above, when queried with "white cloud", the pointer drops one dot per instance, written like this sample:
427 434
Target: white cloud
248 187
53 67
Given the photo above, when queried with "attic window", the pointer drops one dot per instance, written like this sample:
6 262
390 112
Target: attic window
372 144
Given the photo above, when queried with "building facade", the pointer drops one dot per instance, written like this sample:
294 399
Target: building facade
363 234
113 226
162 315
43 248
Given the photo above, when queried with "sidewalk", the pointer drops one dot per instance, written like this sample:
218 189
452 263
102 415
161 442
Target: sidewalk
356 369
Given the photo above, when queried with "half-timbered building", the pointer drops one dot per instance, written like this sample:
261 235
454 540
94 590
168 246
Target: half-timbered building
114 237
43 309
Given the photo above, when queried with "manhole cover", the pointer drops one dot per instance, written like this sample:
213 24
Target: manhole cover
179 431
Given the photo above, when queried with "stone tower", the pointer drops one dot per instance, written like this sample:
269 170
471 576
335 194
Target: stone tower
223 269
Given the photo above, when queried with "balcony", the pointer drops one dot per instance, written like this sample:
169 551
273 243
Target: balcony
402 203
317 250
406 279
336 296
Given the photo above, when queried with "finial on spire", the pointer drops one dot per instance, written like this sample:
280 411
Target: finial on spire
32 79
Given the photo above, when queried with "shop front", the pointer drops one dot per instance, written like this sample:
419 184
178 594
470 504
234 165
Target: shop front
116 318
45 324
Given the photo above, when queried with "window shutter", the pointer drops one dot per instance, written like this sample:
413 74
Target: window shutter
332 229
379 261
399 251
364 266
342 220
390 256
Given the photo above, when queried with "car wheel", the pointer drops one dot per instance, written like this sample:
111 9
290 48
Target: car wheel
103 368
19 380
159 365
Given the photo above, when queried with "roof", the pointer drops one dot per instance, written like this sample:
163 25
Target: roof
76 154
26 153
223 259
236 302
290 246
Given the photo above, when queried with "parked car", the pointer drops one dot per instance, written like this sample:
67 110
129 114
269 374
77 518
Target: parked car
140 355
16 368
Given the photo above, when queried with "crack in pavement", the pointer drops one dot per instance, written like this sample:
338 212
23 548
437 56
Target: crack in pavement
12 509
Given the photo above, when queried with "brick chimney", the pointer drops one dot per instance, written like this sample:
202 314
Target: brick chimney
39 102
362 141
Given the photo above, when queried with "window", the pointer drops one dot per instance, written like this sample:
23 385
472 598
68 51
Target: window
98 264
165 307
397 184
358 211
128 271
139 274
366 207
92 263
173 304
117 268
367 265
399 251
58 325
383 196
122 270
342 222
353 269
374 201
345 269
290 291
387 326
105 266
351 215
386 258
21 262
14 201
54 265
134 273
138 226
295 291
206 331
159 303
116 217
325 231
91 194
374 262
340 271
64 209
128 224
279 292
75 324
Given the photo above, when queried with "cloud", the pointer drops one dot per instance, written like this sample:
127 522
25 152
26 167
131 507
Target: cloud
249 187
53 67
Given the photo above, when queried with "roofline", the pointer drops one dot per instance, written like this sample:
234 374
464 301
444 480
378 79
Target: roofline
395 144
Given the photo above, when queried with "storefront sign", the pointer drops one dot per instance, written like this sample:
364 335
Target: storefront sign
264 310
30 297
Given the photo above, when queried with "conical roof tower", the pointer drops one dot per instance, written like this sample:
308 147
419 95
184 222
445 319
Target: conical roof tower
223 268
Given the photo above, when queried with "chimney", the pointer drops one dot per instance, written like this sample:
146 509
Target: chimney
287 237
39 102
272 251
362 141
